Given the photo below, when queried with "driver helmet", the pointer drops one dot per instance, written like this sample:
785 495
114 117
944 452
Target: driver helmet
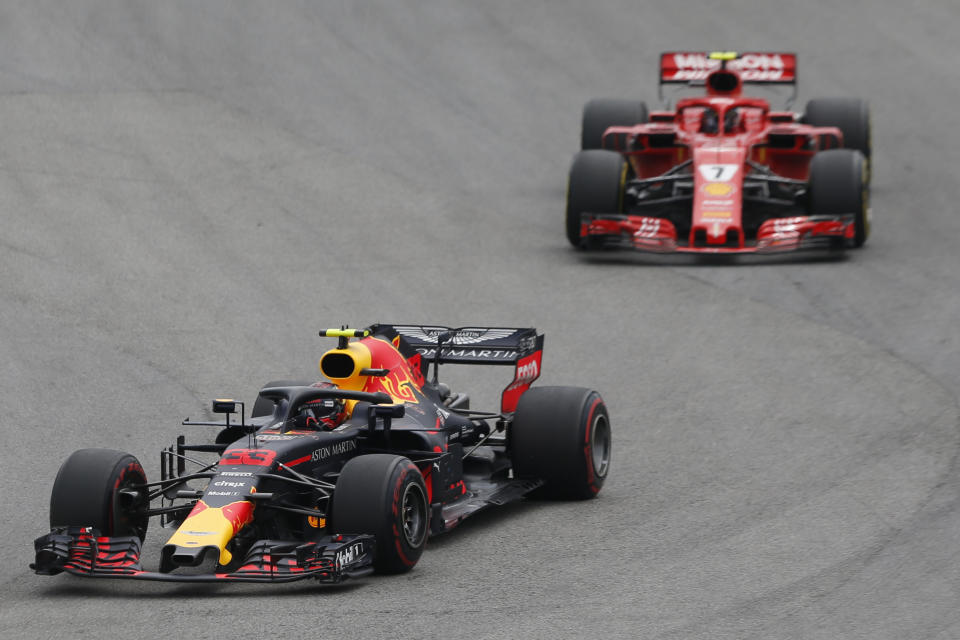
325 413
731 120
709 122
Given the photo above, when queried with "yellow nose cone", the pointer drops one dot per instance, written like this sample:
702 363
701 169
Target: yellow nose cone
213 527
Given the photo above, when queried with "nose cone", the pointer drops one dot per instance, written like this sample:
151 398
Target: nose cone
718 195
204 529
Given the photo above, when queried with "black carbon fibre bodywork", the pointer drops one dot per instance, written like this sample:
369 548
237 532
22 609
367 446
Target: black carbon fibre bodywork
255 504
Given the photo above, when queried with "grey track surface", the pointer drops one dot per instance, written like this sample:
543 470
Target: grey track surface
190 190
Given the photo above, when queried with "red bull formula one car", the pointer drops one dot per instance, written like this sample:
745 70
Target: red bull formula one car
335 480
722 172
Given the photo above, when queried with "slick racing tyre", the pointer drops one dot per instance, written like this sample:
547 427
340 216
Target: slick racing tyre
264 406
838 185
596 185
562 435
603 113
850 115
384 495
96 488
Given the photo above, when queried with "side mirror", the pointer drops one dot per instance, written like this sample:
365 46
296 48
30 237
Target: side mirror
227 406
223 405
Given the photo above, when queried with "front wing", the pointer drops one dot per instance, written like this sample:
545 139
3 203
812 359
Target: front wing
82 551
659 235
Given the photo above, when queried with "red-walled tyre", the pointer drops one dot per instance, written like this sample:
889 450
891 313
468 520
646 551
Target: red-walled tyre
384 495
97 488
562 435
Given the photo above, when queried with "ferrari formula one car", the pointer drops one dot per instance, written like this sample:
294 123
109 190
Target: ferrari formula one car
335 480
721 172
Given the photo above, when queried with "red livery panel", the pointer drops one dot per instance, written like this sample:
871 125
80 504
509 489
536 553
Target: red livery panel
721 172
753 67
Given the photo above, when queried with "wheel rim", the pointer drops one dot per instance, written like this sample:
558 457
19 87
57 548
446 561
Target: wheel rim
413 515
600 445
126 520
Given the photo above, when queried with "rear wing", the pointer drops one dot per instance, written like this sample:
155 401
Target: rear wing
520 347
692 67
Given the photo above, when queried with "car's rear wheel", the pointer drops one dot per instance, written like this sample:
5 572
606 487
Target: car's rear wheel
562 436
596 185
602 113
101 488
850 115
384 495
837 186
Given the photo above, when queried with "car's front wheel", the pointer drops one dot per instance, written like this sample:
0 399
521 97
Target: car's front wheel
103 489
384 495
597 179
838 185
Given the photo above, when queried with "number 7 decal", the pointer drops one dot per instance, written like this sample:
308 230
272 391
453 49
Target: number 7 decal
718 172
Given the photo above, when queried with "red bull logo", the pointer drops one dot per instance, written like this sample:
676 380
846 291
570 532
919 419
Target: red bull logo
213 526
397 384
238 514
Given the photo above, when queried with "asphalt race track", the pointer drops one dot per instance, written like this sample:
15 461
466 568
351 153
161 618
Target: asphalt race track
189 191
